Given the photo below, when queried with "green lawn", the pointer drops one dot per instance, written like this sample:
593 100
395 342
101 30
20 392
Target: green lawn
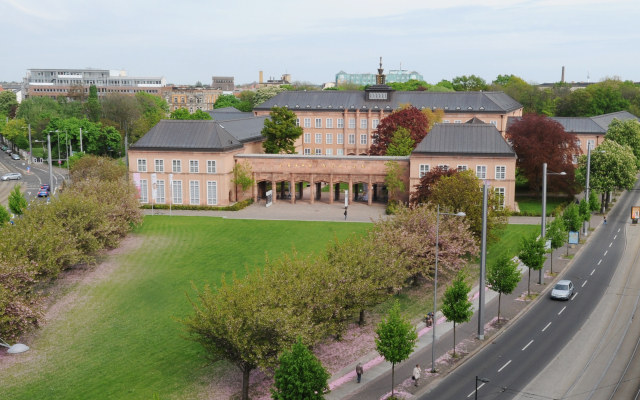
510 240
117 339
534 204
343 186
38 152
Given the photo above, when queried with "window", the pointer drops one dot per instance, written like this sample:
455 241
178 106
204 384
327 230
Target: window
591 144
159 165
297 121
318 137
307 138
363 124
446 121
340 138
177 166
340 152
340 123
462 168
194 192
142 165
307 152
374 123
144 191
501 172
329 122
307 122
363 139
329 138
212 193
329 152
424 169
578 143
211 167
175 99
318 122
352 138
193 166
494 123
318 152
481 171
575 158
444 166
457 121
160 191
177 192
352 123
500 194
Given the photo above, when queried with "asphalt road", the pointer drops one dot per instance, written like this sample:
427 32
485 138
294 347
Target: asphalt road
514 358
31 181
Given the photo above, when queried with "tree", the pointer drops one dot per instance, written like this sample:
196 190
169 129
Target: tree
97 139
531 253
77 92
433 116
571 218
503 79
606 98
300 375
393 179
503 276
556 234
409 118
265 93
93 105
537 139
395 339
123 109
16 131
4 215
594 203
468 83
281 131
427 183
626 133
183 113
456 306
462 192
615 168
17 203
8 103
226 100
401 144
247 95
243 175
584 211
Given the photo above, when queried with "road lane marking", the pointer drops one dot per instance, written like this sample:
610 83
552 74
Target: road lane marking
472 393
562 310
574 295
599 262
614 238
618 230
610 244
594 270
545 328
605 253
527 345
584 283
504 366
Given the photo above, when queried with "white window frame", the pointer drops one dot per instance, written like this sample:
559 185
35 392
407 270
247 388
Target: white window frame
318 152
329 123
481 171
211 167
176 166
144 191
494 123
457 121
339 152
307 138
575 158
462 168
423 170
445 166
160 198
307 152
329 138
340 138
176 192
501 172
363 139
194 166
352 138
307 122
446 121
318 138
591 143
318 122
329 152
352 123
297 121
363 123
194 187
142 165
212 198
159 165
375 123
501 194
340 123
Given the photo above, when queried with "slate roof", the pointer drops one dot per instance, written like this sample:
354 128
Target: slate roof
597 125
465 139
227 113
497 102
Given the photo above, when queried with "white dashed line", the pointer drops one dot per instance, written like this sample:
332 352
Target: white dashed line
599 262
610 244
562 310
592 272
472 393
618 230
585 282
527 345
545 328
614 238
605 253
504 366
574 295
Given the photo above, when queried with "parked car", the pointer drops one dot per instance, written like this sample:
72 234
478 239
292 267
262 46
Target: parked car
11 176
43 193
8 151
3 148
563 290
15 157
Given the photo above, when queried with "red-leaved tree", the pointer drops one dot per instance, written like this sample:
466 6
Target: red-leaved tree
410 118
427 182
537 139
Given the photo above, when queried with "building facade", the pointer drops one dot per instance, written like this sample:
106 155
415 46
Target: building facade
191 98
58 82
224 83
394 75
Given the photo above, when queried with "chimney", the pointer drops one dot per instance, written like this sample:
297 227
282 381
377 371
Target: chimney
562 79
261 76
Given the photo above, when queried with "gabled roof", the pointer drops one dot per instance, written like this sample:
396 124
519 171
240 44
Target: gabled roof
497 102
474 120
465 139
227 113
597 125
245 129
605 119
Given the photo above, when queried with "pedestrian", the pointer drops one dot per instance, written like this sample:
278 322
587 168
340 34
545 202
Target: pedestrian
345 214
359 371
603 222
416 374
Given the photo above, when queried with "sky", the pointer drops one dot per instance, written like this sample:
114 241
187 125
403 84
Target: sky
192 40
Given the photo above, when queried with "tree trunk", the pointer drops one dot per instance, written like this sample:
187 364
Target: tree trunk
499 297
361 321
454 340
393 377
245 383
529 284
551 261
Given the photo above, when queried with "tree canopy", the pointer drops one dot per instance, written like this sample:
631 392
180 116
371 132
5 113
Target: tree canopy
97 139
300 375
531 253
626 133
409 118
281 131
503 275
456 306
265 93
401 143
468 83
183 113
8 104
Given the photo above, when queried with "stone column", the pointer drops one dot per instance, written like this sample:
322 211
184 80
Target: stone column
350 189
331 189
292 189
274 190
312 187
369 196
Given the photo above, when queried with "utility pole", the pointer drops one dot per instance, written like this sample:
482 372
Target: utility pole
81 140
30 150
483 261
544 210
50 166
585 224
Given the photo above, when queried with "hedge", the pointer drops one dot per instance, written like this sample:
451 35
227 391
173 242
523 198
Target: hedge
236 207
553 213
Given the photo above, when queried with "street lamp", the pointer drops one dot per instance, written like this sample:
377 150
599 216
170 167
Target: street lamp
15 349
483 380
544 209
435 287
585 224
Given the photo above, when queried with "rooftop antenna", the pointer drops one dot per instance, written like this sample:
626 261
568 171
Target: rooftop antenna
588 75
400 66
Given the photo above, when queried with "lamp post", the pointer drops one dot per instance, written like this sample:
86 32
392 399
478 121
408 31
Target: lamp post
483 380
30 149
50 166
544 209
435 287
15 349
585 224
483 259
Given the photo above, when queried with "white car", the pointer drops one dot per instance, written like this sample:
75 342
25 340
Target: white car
563 290
15 157
11 176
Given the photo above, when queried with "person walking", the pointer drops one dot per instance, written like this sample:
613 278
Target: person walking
359 371
603 222
416 374
345 214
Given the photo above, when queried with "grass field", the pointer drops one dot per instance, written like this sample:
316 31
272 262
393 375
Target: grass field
534 204
117 339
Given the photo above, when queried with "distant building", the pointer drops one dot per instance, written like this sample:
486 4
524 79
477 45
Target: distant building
224 83
394 75
57 82
284 80
191 98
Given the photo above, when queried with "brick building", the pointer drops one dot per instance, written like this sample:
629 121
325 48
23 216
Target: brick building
191 98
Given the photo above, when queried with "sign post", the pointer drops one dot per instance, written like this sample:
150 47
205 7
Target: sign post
269 198
574 238
635 214
346 198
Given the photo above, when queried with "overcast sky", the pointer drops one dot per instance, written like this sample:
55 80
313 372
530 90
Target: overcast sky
191 40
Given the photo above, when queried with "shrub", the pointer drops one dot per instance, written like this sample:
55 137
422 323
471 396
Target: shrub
235 207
